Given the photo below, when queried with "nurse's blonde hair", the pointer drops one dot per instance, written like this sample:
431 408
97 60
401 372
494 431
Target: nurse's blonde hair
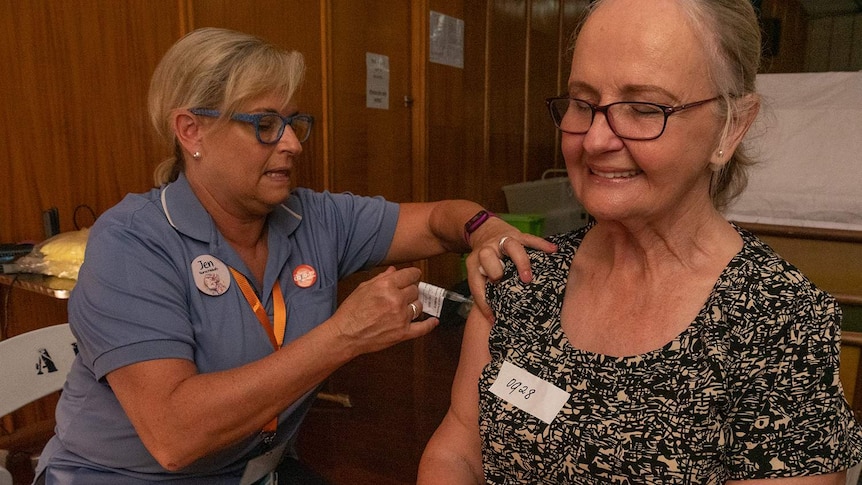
218 69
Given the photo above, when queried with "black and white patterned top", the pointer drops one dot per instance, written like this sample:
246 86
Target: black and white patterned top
749 390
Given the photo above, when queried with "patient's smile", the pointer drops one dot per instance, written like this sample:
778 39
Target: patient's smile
616 175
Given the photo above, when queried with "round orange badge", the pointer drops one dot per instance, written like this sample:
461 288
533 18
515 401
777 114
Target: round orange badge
304 276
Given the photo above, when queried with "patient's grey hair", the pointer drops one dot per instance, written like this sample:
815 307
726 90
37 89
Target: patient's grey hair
731 32
219 69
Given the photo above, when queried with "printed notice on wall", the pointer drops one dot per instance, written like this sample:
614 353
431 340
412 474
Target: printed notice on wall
447 40
377 81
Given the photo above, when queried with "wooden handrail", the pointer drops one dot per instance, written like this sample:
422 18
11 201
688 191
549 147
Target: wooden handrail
851 338
31 437
815 233
848 299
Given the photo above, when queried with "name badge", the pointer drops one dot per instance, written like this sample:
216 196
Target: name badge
263 466
212 277
529 393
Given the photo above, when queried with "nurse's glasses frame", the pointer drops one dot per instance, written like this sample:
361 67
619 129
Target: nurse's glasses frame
272 123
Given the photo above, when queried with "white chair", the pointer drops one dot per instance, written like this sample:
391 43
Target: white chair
5 476
34 365
853 475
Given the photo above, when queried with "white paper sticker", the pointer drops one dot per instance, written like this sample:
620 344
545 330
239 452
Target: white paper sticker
529 393
432 298
376 81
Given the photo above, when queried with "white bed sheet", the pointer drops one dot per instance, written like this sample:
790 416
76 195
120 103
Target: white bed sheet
808 139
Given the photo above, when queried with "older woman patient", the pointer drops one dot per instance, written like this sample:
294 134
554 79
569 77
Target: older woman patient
661 344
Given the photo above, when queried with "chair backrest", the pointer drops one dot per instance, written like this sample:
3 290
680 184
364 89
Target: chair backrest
34 364
5 477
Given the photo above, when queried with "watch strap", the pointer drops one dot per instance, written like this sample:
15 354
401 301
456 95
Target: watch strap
476 222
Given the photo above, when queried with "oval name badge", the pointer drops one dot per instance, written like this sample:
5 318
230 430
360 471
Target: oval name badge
212 277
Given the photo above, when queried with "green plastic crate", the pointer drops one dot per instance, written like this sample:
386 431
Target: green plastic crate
526 223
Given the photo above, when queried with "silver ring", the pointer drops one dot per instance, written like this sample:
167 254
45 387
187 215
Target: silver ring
415 311
500 244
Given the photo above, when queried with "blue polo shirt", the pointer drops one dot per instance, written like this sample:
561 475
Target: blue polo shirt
140 296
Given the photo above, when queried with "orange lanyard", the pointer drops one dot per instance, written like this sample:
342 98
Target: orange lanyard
274 330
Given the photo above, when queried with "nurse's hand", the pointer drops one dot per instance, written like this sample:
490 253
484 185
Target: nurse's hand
492 242
381 312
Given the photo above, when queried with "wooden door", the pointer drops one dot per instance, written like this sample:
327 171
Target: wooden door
369 153
370 146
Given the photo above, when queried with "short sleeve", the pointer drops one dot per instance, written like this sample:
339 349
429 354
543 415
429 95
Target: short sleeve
788 415
130 302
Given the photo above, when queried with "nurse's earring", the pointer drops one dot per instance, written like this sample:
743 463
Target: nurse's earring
196 155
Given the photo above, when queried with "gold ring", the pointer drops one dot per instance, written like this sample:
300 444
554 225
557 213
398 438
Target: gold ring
500 244
415 311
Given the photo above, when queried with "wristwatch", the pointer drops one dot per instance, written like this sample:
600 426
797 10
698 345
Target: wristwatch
476 222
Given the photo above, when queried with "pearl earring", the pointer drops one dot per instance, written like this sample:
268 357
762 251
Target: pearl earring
196 155
720 153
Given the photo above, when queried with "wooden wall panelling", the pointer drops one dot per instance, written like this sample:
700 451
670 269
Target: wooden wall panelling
506 91
292 26
74 106
454 131
840 51
543 80
374 440
456 124
818 47
856 55
792 24
473 164
834 44
419 32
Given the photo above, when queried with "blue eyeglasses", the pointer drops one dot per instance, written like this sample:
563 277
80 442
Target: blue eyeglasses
268 127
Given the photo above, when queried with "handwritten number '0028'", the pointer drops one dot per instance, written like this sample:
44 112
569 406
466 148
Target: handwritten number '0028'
519 386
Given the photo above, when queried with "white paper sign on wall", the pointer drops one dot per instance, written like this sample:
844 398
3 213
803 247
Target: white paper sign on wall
446 40
377 81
